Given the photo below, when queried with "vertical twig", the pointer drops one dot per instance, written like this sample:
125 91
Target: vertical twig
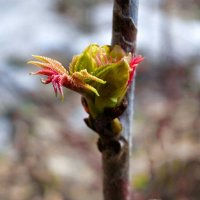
116 184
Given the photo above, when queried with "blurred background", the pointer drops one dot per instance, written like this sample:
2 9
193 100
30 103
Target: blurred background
46 150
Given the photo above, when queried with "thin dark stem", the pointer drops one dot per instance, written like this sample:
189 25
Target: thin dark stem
116 184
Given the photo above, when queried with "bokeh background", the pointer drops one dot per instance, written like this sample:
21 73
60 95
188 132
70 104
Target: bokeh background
47 152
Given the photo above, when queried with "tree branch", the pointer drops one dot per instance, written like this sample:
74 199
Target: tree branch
116 184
